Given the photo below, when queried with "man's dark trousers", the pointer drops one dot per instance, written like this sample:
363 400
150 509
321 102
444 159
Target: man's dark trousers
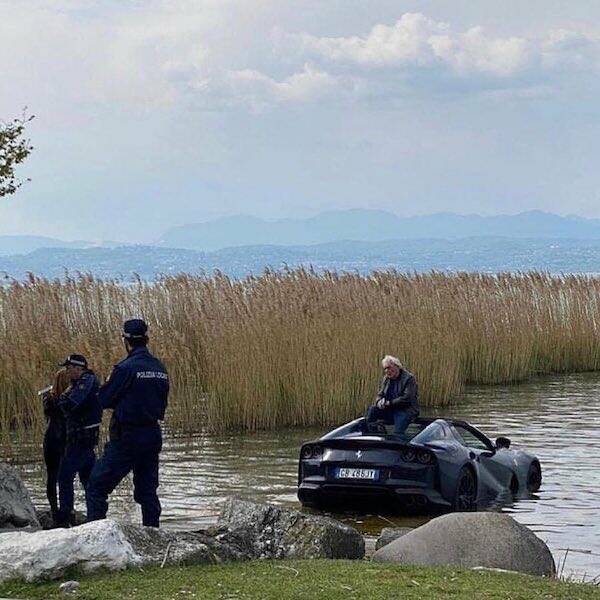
79 459
133 449
401 419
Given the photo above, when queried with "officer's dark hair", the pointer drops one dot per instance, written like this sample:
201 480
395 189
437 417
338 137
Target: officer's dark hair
138 342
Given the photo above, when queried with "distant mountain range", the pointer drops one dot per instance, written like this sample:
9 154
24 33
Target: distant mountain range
22 244
374 226
482 254
336 226
356 240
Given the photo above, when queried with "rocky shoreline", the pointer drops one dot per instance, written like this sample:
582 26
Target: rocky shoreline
249 530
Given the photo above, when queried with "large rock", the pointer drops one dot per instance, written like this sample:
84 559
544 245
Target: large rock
157 546
47 554
103 544
389 534
16 509
484 539
267 531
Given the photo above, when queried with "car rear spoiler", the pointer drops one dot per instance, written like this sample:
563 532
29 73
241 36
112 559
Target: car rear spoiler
365 442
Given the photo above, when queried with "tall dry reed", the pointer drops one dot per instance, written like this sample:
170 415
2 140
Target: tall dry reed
298 348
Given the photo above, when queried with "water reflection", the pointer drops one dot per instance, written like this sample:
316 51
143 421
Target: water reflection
558 419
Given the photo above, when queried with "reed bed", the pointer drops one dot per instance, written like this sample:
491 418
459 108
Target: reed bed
298 348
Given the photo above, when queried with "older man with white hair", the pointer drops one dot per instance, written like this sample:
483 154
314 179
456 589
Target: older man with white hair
397 401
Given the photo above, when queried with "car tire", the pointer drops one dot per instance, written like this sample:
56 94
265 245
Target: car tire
534 477
465 495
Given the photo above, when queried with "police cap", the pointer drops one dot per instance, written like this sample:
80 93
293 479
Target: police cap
135 329
76 360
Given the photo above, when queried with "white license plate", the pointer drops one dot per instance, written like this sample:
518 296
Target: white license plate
344 473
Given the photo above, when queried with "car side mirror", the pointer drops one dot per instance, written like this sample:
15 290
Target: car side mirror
502 442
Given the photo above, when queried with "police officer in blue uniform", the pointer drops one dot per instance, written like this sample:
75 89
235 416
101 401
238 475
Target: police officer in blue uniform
137 392
83 414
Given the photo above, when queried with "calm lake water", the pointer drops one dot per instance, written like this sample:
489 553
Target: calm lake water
556 418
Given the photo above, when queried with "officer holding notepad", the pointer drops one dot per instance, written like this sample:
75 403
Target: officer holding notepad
83 414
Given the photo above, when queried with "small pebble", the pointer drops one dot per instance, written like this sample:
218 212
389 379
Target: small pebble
69 587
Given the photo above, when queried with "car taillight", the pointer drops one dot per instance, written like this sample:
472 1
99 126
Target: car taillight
309 452
424 457
408 455
306 452
421 456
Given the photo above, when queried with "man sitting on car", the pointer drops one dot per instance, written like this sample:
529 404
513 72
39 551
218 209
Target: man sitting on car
397 400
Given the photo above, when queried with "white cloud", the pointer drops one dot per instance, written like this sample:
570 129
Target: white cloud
416 44
408 42
235 54
256 91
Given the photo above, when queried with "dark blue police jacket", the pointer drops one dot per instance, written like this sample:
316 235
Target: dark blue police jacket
137 390
81 406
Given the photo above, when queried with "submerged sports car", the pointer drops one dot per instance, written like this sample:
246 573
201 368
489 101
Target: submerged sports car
440 463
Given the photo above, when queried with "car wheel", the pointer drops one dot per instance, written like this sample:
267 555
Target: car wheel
465 497
534 477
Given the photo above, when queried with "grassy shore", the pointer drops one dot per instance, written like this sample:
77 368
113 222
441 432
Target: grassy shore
299 348
308 579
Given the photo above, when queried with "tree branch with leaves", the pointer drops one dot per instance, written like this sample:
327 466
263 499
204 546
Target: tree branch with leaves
14 149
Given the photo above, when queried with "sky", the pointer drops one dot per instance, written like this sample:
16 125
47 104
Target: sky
151 114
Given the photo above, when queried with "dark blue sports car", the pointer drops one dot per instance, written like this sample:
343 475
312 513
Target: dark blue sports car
440 463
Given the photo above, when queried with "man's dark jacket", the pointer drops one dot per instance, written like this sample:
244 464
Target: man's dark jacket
137 390
401 393
82 409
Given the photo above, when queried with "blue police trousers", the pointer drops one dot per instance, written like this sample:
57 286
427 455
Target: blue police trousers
78 459
401 419
135 450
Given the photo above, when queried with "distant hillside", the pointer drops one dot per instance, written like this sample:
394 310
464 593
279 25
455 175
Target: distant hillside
472 254
337 226
22 244
373 226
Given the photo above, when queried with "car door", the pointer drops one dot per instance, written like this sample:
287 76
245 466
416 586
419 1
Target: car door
493 473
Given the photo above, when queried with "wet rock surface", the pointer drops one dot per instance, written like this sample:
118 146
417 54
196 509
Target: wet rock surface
468 540
16 509
266 531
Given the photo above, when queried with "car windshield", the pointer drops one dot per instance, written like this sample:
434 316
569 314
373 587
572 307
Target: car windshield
436 431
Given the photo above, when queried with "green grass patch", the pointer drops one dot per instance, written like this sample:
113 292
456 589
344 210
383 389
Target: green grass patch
307 579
